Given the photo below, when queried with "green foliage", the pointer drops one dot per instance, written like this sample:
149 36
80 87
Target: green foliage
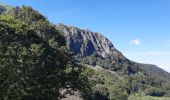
113 86
167 94
28 14
118 92
32 67
154 92
128 75
7 7
100 92
107 85
143 97
36 64
111 62
39 23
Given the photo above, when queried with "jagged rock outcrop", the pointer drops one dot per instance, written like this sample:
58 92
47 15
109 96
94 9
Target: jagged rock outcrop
86 42
94 49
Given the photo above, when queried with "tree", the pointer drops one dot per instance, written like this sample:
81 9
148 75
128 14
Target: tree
32 67
152 91
101 93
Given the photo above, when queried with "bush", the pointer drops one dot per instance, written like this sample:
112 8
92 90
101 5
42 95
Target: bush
101 93
167 94
154 92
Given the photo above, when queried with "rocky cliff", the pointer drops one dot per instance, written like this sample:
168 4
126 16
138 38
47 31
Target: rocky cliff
94 49
86 42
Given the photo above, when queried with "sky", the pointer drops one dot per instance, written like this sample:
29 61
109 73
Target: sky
140 29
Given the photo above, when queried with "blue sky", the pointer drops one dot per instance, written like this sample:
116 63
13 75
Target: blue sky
140 29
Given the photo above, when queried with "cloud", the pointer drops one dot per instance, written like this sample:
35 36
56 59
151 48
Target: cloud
135 42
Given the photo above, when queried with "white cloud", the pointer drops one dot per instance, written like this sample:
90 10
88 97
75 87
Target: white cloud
135 42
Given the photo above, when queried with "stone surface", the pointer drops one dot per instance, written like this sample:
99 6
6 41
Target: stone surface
86 42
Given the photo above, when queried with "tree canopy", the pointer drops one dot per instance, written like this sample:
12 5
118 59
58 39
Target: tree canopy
34 65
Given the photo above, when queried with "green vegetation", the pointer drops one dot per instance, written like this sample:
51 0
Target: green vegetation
122 78
4 8
36 64
108 85
142 97
34 61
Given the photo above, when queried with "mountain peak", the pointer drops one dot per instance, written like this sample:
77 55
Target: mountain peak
86 42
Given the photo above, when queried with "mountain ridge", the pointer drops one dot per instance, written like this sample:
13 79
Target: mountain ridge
98 42
86 43
118 78
114 75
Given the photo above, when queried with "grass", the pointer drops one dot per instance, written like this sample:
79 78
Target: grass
141 97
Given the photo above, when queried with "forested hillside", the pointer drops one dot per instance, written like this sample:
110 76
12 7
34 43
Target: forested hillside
34 61
43 61
122 77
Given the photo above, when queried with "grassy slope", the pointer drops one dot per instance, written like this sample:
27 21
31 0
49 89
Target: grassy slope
149 98
141 97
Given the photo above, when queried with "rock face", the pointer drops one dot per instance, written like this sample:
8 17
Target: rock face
94 49
86 42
